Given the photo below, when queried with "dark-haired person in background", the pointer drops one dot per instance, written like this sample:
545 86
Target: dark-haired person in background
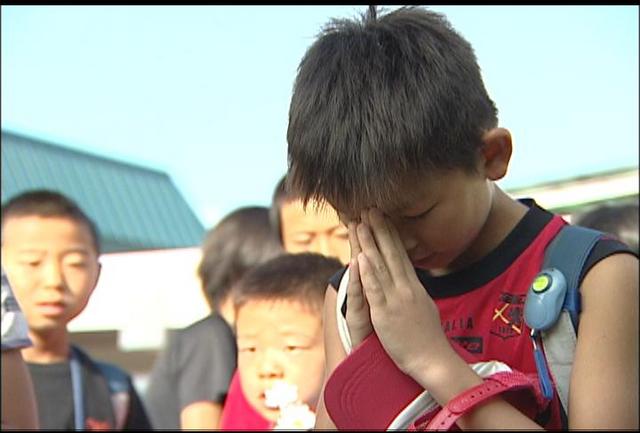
190 378
618 220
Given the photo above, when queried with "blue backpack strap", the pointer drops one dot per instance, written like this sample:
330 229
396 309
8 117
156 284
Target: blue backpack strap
77 387
117 379
568 253
120 390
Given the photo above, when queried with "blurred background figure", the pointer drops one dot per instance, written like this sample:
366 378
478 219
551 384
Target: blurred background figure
618 220
190 378
316 228
280 343
19 410
240 241
50 251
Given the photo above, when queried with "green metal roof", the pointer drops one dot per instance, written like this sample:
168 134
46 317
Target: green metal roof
135 208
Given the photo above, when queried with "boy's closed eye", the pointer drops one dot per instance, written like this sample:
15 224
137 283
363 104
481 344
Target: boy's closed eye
294 348
246 348
30 258
77 263
302 238
420 215
76 259
341 232
30 262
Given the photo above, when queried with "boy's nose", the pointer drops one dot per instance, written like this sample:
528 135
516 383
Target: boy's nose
270 366
322 245
52 276
409 241
407 237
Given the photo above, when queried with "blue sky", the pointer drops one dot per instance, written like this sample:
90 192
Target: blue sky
202 92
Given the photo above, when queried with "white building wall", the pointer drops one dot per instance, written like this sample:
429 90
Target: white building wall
142 294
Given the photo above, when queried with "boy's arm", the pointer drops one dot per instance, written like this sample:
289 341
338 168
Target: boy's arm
216 357
334 354
18 399
604 382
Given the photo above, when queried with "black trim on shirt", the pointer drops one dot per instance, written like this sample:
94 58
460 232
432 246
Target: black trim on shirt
493 264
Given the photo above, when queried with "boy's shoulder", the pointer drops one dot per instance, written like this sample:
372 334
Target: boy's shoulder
128 410
210 323
205 334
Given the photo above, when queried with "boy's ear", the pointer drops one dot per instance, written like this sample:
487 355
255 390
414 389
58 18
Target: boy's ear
95 283
496 152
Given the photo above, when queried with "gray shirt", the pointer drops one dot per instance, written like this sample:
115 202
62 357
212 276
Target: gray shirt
196 365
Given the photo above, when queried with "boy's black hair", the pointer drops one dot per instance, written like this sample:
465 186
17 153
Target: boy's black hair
619 220
382 99
47 203
241 240
281 195
298 277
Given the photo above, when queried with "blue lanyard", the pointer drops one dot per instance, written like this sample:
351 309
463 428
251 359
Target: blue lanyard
76 386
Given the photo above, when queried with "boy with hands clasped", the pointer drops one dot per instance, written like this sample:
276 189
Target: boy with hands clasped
391 124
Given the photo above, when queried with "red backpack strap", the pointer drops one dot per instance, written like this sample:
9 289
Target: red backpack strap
491 386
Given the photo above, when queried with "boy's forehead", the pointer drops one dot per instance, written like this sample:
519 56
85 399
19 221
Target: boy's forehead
19 227
282 316
313 210
290 305
397 199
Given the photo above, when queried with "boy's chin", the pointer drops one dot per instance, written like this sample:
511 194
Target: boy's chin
430 262
436 264
48 325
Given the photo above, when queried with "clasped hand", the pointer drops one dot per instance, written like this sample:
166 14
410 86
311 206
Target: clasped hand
384 294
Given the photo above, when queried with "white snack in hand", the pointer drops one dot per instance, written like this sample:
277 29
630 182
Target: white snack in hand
296 416
280 394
